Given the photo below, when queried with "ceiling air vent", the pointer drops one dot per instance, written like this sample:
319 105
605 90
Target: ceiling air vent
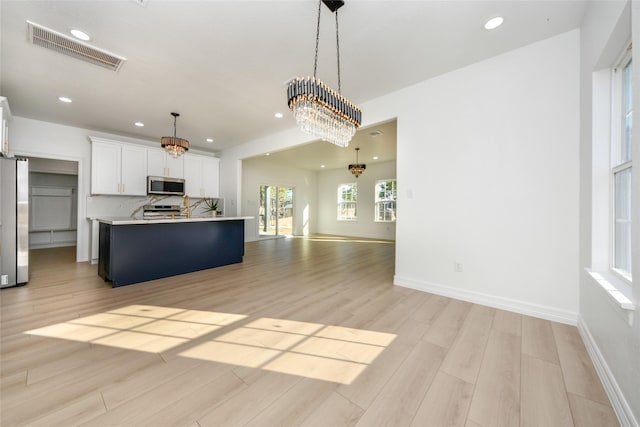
45 37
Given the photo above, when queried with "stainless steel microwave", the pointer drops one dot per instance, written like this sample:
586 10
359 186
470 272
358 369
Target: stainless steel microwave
165 185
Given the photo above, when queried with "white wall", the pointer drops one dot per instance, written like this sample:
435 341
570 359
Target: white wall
266 171
487 169
611 335
364 226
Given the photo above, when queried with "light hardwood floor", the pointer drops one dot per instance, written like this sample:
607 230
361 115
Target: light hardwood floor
305 332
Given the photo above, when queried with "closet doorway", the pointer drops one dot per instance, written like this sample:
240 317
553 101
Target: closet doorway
276 211
53 203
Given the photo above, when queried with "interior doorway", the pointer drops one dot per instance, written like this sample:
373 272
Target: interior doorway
276 211
53 203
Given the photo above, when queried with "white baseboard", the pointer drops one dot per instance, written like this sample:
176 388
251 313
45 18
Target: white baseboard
522 307
619 403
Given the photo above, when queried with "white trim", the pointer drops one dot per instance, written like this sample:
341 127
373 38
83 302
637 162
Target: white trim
377 201
622 166
83 253
341 202
618 402
616 165
614 287
517 306
622 276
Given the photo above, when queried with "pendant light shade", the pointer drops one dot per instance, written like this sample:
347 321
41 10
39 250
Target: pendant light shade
172 144
357 168
319 110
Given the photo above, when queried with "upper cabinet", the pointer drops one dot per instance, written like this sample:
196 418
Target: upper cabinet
5 114
201 174
160 163
118 168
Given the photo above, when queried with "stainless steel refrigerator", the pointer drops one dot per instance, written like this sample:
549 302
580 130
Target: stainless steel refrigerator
14 221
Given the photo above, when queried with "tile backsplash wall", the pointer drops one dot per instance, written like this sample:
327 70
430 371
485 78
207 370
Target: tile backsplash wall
131 206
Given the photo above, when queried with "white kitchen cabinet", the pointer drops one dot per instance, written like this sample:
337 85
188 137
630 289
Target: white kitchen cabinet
118 168
134 170
160 163
201 175
211 176
192 175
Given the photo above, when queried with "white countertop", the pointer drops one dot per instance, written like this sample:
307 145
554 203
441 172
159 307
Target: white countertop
130 221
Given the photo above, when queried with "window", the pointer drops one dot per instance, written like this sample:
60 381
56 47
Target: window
347 201
385 201
621 163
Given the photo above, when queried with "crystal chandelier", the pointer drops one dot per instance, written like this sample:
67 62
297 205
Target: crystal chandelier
357 168
319 110
172 144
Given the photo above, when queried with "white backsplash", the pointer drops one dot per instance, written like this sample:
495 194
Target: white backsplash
131 206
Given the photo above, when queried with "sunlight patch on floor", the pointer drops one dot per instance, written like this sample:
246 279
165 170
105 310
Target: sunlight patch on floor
312 350
140 327
340 239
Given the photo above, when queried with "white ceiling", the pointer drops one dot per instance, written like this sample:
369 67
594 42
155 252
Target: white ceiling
222 64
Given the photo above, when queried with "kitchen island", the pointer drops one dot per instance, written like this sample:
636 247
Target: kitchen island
138 250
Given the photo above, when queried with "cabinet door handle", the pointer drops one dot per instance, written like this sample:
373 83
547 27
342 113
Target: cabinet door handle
123 188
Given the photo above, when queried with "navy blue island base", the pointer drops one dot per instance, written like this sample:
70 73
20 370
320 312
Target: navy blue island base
133 253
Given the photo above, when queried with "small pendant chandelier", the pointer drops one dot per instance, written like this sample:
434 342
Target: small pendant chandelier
172 144
357 168
319 110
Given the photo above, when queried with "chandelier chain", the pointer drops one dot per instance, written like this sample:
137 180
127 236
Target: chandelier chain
338 51
175 117
315 63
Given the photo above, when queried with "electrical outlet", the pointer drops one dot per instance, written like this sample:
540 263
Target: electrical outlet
457 267
4 279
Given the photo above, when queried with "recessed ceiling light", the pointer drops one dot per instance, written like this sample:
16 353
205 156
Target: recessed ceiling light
278 115
321 166
375 157
493 23
375 133
64 99
267 154
139 124
142 3
209 139
79 34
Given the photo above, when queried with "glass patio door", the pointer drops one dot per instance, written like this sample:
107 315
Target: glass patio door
276 210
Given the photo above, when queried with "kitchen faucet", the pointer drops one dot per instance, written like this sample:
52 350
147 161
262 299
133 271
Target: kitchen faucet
187 203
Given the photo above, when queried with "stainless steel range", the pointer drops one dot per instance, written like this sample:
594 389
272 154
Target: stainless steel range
162 212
